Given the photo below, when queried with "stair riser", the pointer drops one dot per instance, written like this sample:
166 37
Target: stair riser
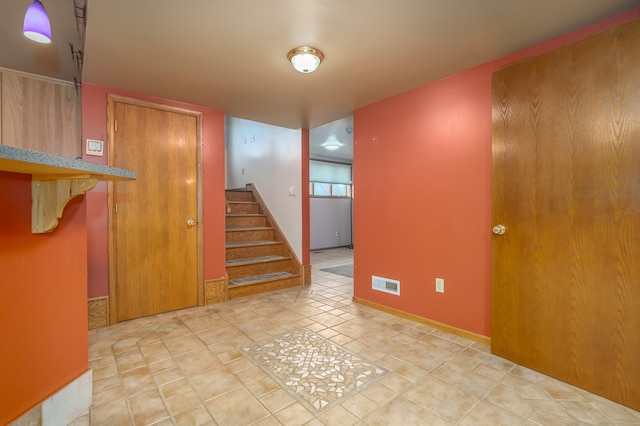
253 235
239 196
248 290
244 208
242 271
234 253
246 221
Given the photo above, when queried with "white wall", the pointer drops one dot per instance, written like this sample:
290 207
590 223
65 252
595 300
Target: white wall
270 157
328 216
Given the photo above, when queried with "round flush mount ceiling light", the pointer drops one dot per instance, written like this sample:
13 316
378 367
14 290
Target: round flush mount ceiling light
305 59
332 143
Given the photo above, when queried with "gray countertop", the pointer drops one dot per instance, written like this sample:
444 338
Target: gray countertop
20 160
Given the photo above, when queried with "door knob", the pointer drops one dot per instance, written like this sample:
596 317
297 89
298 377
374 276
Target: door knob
191 223
499 229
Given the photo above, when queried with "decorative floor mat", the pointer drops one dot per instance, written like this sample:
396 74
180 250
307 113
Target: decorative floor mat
315 370
344 270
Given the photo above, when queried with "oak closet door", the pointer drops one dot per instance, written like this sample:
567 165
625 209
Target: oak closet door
566 185
155 235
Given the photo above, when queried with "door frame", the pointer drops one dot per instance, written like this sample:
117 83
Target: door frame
111 104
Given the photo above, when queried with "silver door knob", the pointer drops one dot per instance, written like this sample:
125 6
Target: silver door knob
499 229
191 223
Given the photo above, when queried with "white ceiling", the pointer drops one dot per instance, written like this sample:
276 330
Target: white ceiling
231 54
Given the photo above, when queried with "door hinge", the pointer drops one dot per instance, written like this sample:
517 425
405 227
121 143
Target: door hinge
115 125
116 208
117 290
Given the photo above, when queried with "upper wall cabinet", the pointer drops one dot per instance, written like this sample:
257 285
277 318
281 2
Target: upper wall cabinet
40 115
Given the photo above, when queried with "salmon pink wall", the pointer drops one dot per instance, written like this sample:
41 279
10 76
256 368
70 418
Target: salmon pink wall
422 186
43 300
94 126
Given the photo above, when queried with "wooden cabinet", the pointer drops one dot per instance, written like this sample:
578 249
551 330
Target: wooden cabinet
40 114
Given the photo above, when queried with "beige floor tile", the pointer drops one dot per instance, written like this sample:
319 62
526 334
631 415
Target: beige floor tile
294 414
193 417
509 399
402 412
263 386
337 415
499 416
186 401
175 388
359 405
116 410
214 383
379 393
441 398
184 344
163 365
138 380
126 361
111 394
197 361
238 407
187 367
269 421
277 400
147 408
615 412
101 385
250 374
583 412
168 376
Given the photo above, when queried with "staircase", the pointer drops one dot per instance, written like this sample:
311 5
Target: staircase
259 259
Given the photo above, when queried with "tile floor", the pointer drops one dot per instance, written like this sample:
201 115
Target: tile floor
191 367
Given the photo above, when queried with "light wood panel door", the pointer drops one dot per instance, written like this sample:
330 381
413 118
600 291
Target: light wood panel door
155 217
566 184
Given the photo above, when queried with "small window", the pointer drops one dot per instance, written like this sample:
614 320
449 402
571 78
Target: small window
340 190
323 189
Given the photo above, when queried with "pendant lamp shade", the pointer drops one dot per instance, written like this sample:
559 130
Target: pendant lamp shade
36 23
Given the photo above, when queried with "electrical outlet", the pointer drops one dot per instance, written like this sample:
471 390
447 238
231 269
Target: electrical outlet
440 285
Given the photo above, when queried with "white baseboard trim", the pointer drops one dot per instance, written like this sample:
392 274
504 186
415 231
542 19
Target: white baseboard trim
69 402
62 407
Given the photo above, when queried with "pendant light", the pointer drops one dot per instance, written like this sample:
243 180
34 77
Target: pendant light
36 23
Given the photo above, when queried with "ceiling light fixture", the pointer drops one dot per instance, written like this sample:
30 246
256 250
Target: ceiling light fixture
36 23
331 143
305 59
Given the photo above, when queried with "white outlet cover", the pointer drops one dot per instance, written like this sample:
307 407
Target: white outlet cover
440 285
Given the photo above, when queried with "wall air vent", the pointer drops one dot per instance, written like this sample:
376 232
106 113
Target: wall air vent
385 284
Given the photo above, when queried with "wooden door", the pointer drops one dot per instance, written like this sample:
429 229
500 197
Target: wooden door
154 244
566 184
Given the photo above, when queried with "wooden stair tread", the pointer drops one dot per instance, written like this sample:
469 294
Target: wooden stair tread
251 260
241 202
257 279
249 228
252 243
246 215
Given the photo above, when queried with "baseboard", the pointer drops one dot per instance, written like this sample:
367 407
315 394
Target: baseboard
215 291
435 324
98 308
62 407
306 274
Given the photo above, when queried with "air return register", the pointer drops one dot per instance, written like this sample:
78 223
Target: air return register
385 284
